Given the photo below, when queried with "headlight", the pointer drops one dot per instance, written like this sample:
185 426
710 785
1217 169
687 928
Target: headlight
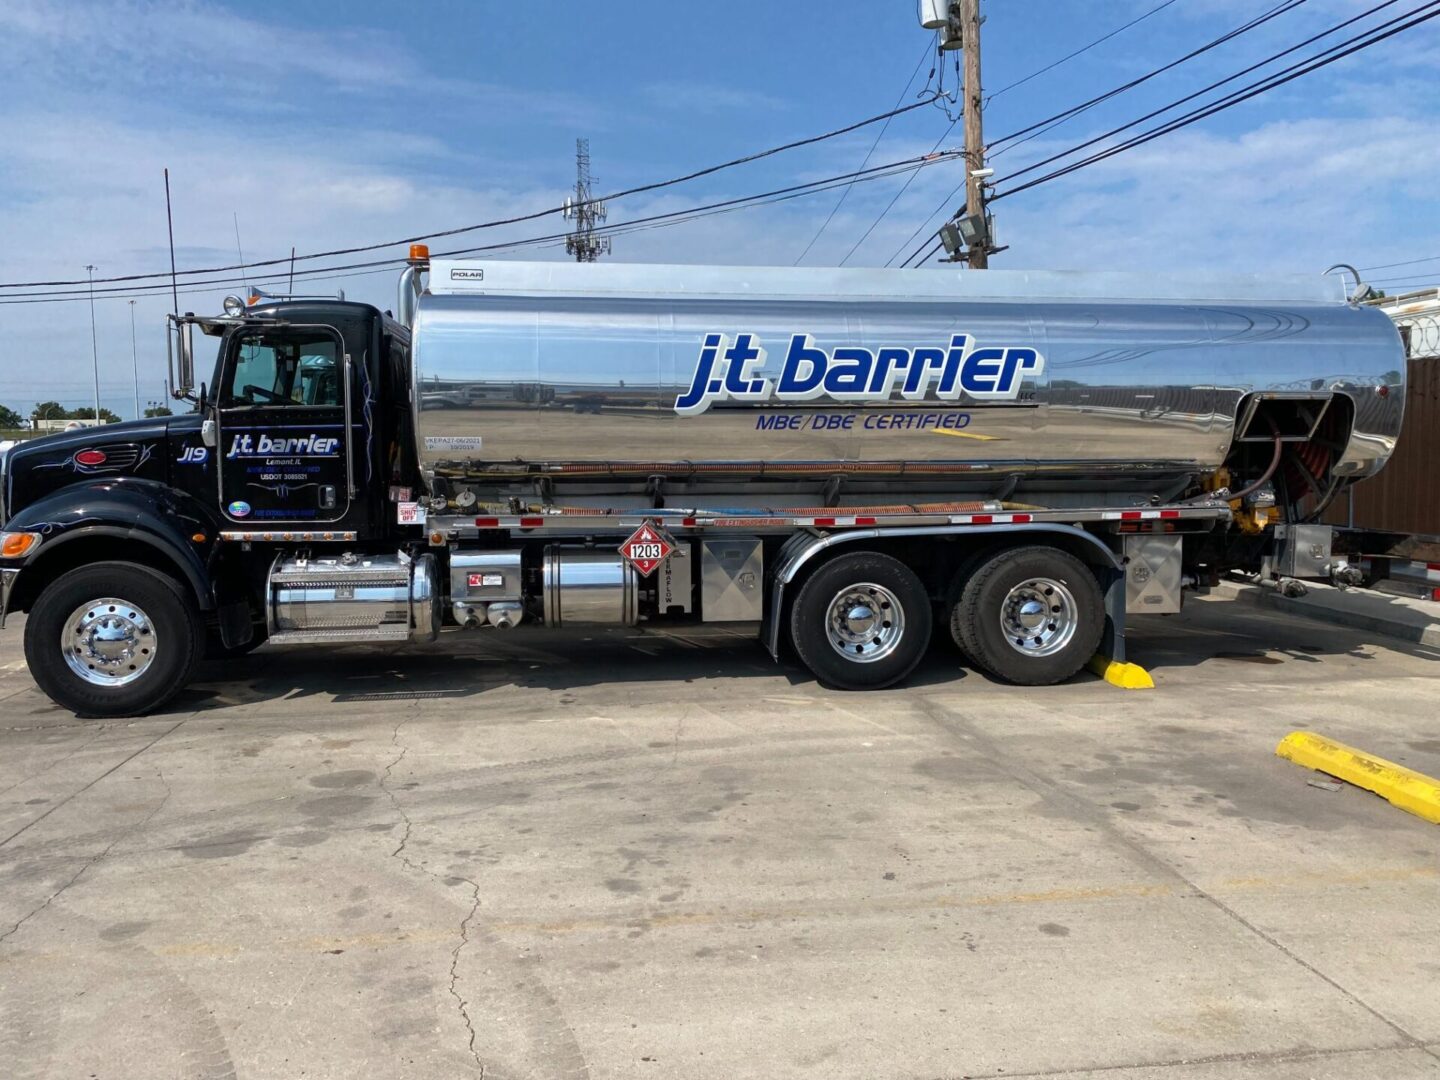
16 545
234 306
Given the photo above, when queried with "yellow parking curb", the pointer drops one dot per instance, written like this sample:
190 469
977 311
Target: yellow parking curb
1409 790
1125 676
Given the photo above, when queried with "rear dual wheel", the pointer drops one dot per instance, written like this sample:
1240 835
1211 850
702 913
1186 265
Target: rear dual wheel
861 622
1029 615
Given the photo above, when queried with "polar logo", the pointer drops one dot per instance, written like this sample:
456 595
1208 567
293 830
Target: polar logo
243 446
731 371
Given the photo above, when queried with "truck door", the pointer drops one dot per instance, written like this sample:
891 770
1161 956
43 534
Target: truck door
284 439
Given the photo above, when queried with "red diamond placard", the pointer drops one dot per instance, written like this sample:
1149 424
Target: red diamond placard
647 548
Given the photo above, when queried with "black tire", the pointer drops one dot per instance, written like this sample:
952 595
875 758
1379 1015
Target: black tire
968 566
172 625
976 621
811 632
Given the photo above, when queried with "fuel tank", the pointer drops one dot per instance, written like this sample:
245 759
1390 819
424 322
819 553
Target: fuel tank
913 377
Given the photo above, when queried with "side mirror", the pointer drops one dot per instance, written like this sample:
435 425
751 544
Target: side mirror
179 338
187 356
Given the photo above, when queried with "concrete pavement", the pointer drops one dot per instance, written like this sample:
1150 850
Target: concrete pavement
622 855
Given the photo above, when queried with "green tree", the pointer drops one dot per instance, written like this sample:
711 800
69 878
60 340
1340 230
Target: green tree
159 410
50 410
106 416
10 419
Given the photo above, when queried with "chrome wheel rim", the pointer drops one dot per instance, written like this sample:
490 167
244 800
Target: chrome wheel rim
864 622
108 642
1039 617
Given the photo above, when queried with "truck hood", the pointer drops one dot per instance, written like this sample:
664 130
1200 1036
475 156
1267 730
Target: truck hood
131 449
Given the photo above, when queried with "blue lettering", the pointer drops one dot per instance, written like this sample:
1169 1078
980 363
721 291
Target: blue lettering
734 370
981 375
922 365
954 357
741 359
848 378
696 400
804 372
779 422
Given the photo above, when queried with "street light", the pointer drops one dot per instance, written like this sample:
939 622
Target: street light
134 360
94 346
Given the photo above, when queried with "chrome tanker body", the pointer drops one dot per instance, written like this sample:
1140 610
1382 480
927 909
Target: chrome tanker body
722 382
846 461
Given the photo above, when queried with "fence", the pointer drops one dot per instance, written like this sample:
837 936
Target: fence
1405 497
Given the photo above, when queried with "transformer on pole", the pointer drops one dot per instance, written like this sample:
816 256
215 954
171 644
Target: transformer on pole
585 211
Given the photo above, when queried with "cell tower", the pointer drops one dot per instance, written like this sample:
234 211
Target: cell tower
585 212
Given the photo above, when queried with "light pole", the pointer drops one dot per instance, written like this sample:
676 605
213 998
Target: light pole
134 360
94 347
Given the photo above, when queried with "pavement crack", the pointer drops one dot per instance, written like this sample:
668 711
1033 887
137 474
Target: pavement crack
86 787
399 853
461 1003
88 863
390 792
100 730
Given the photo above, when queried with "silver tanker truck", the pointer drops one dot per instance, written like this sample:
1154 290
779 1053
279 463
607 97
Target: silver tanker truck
849 461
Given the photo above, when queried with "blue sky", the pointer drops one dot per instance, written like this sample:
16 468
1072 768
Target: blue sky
329 124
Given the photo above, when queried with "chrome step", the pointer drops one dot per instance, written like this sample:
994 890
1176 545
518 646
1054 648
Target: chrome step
360 635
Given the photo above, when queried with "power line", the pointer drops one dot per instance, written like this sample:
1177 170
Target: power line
1083 49
1059 118
1404 279
921 227
888 207
674 217
924 55
496 223
1041 126
936 246
1216 85
1295 71
1407 262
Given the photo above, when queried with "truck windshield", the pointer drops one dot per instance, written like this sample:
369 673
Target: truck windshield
284 367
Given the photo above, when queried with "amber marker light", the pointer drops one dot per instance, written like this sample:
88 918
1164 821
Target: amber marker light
13 545
419 252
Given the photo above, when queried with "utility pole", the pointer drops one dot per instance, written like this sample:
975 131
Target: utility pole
979 254
94 346
585 211
134 360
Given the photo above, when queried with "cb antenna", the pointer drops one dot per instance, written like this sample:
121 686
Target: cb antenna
170 224
244 277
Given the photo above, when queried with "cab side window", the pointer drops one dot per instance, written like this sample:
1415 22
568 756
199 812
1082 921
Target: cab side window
284 368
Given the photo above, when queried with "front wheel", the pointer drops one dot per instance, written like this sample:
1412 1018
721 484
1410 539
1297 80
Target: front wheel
1030 615
862 622
113 639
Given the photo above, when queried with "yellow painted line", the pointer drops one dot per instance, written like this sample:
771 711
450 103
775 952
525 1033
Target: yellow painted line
968 435
1125 676
1411 791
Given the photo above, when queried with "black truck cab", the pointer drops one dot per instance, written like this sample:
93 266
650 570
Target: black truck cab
300 430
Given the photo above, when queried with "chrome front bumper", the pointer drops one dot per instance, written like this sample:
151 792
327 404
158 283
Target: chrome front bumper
7 582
